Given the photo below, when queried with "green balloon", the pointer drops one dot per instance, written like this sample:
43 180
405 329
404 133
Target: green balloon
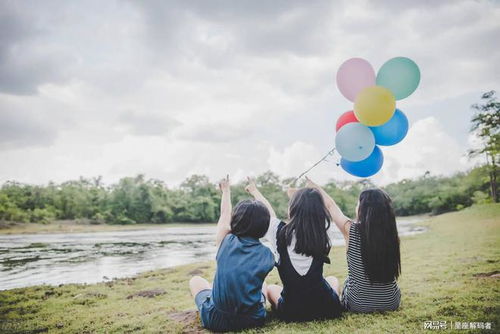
400 75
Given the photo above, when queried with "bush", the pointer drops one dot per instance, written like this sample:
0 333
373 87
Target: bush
123 220
161 216
43 216
98 218
480 197
15 214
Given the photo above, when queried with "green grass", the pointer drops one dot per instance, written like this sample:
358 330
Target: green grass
437 283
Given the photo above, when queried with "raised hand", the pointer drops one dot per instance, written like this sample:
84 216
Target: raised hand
291 191
310 183
251 188
224 184
224 223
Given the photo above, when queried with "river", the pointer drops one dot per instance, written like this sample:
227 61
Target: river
57 258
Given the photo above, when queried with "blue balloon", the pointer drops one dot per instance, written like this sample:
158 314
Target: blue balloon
367 167
355 141
393 131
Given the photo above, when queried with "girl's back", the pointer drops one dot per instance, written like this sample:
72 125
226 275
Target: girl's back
302 246
236 300
308 296
242 265
360 294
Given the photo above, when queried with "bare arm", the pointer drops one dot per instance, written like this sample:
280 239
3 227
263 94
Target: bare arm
290 192
224 223
251 188
341 221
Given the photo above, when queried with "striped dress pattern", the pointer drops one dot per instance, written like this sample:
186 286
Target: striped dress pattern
359 293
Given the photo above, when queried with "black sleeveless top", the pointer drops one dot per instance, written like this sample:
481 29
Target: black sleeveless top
306 297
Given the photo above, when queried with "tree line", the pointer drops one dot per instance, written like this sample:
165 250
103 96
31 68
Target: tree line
137 200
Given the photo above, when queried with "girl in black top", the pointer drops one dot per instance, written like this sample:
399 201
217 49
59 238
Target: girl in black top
306 294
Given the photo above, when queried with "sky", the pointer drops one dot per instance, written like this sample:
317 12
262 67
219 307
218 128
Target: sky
174 88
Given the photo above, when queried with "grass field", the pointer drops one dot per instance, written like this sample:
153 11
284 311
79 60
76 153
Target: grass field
448 275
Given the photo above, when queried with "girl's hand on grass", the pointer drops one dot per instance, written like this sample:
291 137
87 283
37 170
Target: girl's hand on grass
224 184
251 188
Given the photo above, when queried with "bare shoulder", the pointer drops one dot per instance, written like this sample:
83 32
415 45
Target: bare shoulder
347 226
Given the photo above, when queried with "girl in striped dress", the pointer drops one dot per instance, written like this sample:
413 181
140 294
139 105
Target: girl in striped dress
373 256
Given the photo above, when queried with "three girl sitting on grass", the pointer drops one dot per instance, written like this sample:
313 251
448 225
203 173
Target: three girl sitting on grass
299 248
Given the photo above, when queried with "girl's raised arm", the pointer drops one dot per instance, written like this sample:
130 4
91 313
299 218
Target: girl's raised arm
251 188
338 217
224 223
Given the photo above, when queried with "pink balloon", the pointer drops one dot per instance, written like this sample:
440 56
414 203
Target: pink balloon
354 75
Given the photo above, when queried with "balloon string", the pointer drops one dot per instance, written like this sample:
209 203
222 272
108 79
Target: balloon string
310 168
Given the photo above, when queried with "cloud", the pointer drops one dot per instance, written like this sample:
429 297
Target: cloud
214 132
18 130
248 27
147 124
25 62
30 121
427 147
300 156
171 88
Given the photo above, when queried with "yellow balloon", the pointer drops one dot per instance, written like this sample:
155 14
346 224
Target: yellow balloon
374 106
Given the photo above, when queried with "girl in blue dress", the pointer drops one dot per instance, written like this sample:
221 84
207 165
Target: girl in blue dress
237 299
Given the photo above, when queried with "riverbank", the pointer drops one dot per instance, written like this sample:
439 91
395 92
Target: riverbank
75 226
448 275
82 226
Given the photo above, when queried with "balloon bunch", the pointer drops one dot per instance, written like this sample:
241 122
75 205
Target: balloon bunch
374 119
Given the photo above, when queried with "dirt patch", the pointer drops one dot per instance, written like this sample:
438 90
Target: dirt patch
8 224
197 271
492 274
96 294
189 320
147 293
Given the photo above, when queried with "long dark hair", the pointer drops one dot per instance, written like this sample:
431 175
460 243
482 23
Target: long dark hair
250 218
379 236
309 220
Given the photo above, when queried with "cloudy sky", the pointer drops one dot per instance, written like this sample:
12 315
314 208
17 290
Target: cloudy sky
173 88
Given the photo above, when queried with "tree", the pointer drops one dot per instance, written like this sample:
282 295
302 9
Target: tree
486 125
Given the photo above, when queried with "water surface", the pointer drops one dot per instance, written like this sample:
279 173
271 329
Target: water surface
33 259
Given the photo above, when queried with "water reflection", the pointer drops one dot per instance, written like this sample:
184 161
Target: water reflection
32 259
